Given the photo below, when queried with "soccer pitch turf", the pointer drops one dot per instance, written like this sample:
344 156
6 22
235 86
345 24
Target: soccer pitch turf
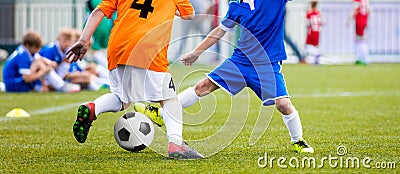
350 115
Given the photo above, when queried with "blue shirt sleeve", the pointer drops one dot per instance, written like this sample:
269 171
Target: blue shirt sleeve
46 52
51 53
229 21
24 63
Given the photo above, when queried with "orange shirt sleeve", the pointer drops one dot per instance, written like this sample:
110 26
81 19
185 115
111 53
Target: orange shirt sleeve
184 7
108 7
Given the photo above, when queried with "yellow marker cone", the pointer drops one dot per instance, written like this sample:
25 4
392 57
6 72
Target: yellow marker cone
18 112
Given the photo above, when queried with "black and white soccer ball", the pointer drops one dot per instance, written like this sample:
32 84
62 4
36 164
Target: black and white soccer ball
133 131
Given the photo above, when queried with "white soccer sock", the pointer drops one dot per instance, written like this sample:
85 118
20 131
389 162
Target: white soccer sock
361 50
188 97
55 80
293 123
172 115
365 52
107 103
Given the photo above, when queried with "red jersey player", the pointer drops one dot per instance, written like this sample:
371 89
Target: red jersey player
314 23
360 15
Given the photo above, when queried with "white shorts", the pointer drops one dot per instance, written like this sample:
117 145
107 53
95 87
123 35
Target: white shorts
133 84
63 69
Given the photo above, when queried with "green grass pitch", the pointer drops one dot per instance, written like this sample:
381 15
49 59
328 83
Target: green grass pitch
351 106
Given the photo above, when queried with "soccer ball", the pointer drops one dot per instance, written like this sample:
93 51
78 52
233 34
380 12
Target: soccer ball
133 131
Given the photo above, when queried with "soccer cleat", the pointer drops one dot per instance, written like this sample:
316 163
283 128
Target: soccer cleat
301 146
150 111
303 61
360 62
182 151
83 121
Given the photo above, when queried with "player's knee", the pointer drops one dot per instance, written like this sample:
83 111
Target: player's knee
284 106
204 87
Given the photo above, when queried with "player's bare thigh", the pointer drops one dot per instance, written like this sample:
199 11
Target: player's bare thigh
83 77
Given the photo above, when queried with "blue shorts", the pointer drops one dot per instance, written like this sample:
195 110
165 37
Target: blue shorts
265 80
23 87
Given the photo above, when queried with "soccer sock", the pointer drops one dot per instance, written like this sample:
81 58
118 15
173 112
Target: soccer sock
55 80
317 59
359 50
172 115
364 48
188 97
292 122
107 103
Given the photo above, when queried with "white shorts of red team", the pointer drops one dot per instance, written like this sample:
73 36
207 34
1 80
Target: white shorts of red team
134 84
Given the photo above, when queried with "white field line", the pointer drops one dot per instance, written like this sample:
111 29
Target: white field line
47 110
54 109
304 95
346 94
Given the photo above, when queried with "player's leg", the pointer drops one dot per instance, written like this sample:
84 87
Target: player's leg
39 66
291 118
58 83
186 98
292 121
289 113
361 51
226 76
313 51
147 87
361 44
46 67
110 102
365 52
89 111
269 85
192 94
172 114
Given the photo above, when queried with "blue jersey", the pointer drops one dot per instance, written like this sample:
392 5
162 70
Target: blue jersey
17 64
52 52
261 30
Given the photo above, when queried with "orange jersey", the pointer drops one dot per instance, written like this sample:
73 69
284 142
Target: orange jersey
142 31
